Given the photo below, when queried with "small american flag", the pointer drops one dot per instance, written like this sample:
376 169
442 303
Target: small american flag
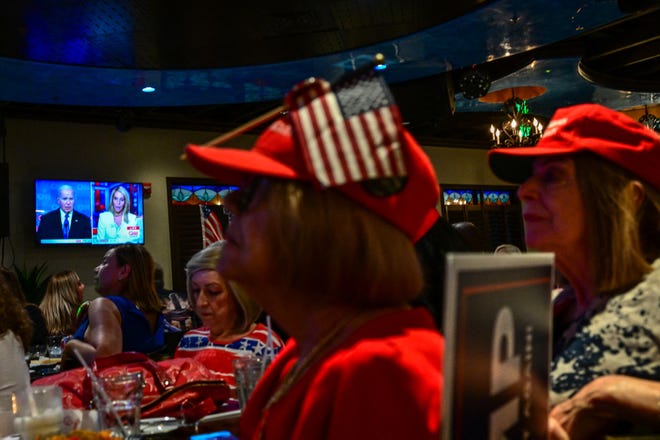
349 131
211 226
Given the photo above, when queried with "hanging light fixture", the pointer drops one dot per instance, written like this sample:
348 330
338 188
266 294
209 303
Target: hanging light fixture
519 128
650 120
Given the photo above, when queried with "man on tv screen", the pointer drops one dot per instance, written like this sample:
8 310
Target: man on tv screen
64 222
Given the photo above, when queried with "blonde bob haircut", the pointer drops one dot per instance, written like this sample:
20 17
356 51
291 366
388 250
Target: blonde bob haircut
623 235
207 259
334 248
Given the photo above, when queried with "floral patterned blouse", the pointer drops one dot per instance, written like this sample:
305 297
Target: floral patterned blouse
616 335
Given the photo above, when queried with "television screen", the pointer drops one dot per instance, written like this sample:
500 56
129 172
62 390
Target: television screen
77 212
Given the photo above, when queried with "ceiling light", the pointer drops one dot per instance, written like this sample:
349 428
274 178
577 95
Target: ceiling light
520 128
650 120
148 89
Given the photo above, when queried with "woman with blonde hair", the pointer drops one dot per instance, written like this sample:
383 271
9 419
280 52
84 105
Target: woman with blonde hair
61 303
118 224
228 318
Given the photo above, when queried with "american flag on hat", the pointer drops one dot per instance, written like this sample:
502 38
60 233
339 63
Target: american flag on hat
349 131
211 226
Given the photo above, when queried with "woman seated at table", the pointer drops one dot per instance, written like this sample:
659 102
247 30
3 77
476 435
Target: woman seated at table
15 335
61 303
335 266
228 318
590 192
128 315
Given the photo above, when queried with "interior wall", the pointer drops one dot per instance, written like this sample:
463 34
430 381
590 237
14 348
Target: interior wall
62 150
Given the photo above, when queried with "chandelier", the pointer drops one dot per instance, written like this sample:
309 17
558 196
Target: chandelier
520 128
650 120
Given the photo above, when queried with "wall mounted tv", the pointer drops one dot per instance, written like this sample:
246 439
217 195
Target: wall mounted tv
83 212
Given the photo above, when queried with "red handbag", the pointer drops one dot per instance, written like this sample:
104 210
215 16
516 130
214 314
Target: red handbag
174 387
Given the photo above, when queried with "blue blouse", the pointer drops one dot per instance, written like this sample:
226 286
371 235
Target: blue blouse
135 329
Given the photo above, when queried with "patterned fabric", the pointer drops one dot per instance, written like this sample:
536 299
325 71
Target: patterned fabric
616 336
218 356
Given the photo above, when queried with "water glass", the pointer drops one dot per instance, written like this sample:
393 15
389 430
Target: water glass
118 403
38 412
247 372
54 346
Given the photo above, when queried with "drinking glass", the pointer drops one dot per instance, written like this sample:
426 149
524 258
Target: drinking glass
248 370
118 402
54 346
38 412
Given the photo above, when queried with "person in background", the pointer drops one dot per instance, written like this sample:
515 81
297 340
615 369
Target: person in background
333 261
228 318
590 193
127 316
118 224
470 235
39 336
61 303
507 248
15 338
176 308
64 222
432 249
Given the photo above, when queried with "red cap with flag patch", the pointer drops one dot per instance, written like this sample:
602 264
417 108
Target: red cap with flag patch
349 138
586 127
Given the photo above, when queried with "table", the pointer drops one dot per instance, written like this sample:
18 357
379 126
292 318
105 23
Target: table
44 366
225 421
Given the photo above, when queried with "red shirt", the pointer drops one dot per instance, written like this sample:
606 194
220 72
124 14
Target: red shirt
384 381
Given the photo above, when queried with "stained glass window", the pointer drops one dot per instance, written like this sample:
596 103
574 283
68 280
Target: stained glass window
199 194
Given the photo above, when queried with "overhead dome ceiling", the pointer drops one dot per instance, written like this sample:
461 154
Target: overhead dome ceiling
216 64
207 34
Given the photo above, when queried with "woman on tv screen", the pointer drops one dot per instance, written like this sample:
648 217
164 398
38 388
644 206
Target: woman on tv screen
118 224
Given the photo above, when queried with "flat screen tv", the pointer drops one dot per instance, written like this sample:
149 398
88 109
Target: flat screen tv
84 212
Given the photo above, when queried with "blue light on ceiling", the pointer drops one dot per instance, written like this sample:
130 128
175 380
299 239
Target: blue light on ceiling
428 52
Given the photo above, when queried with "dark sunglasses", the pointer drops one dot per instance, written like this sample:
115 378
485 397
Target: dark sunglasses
243 196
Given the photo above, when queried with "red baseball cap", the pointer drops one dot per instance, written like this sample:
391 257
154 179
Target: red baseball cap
586 127
275 154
